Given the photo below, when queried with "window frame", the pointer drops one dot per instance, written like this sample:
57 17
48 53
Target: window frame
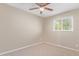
61 19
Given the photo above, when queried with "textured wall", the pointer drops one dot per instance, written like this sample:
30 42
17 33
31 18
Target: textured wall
68 39
18 28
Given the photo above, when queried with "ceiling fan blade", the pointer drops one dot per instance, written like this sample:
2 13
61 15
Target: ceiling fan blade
48 9
33 8
46 4
39 4
42 4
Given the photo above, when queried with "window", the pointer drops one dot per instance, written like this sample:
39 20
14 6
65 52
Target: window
63 24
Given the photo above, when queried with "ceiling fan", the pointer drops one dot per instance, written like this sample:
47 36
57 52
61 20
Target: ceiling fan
42 7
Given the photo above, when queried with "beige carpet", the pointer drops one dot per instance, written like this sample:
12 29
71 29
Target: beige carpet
43 50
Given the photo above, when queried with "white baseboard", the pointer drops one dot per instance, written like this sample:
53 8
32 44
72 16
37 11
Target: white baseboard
13 50
61 46
38 43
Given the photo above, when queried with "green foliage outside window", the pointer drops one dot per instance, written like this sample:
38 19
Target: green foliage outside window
65 24
58 25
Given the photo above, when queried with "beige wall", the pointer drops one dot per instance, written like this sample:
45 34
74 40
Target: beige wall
68 39
18 28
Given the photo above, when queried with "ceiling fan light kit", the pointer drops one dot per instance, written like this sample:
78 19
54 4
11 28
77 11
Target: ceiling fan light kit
42 7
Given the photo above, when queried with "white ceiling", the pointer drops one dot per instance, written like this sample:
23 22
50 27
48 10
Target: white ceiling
58 8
